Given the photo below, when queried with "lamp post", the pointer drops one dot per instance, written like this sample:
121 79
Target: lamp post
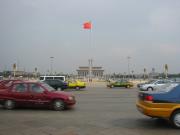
166 70
90 69
51 65
14 69
132 74
35 69
124 77
128 58
145 73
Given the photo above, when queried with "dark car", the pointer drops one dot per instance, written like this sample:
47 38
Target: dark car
164 104
35 94
57 84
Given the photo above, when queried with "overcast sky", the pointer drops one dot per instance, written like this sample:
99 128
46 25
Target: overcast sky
31 31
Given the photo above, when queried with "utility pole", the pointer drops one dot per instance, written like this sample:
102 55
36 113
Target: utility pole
128 58
166 70
145 73
14 69
90 69
51 65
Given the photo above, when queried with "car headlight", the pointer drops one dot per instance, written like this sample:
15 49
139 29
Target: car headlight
71 98
144 87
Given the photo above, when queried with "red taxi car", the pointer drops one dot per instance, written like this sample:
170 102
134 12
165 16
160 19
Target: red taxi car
34 94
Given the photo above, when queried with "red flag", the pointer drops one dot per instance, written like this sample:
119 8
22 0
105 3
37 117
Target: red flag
87 25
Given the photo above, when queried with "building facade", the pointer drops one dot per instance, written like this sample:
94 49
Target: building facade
97 72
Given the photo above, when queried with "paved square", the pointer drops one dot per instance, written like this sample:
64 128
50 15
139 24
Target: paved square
99 111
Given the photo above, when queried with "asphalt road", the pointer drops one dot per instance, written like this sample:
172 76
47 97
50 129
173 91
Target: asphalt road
99 111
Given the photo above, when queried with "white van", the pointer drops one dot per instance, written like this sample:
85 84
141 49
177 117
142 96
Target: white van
43 78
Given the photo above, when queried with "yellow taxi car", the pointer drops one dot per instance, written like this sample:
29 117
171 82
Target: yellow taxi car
161 104
76 84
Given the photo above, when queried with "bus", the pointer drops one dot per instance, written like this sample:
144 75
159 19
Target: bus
43 78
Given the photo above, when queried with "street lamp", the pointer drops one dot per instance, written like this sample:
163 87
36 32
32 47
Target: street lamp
132 74
145 73
51 64
128 66
90 69
124 77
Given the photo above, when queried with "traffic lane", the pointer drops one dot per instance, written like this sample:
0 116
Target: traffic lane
98 111
117 106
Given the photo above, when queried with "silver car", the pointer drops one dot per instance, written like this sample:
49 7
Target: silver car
155 85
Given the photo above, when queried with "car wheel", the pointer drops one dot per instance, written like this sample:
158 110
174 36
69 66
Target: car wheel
58 105
9 104
127 86
150 89
111 86
77 88
59 89
175 119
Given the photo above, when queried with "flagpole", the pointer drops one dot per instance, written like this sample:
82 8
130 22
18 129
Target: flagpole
87 25
90 66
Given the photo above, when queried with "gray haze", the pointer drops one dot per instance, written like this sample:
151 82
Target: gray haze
31 31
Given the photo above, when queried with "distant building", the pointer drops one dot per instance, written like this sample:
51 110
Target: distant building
20 74
97 72
8 73
153 74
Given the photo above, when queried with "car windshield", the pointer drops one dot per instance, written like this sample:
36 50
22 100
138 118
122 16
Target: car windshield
121 80
151 81
49 88
41 78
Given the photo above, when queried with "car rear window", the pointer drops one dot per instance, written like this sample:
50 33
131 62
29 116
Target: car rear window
166 88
